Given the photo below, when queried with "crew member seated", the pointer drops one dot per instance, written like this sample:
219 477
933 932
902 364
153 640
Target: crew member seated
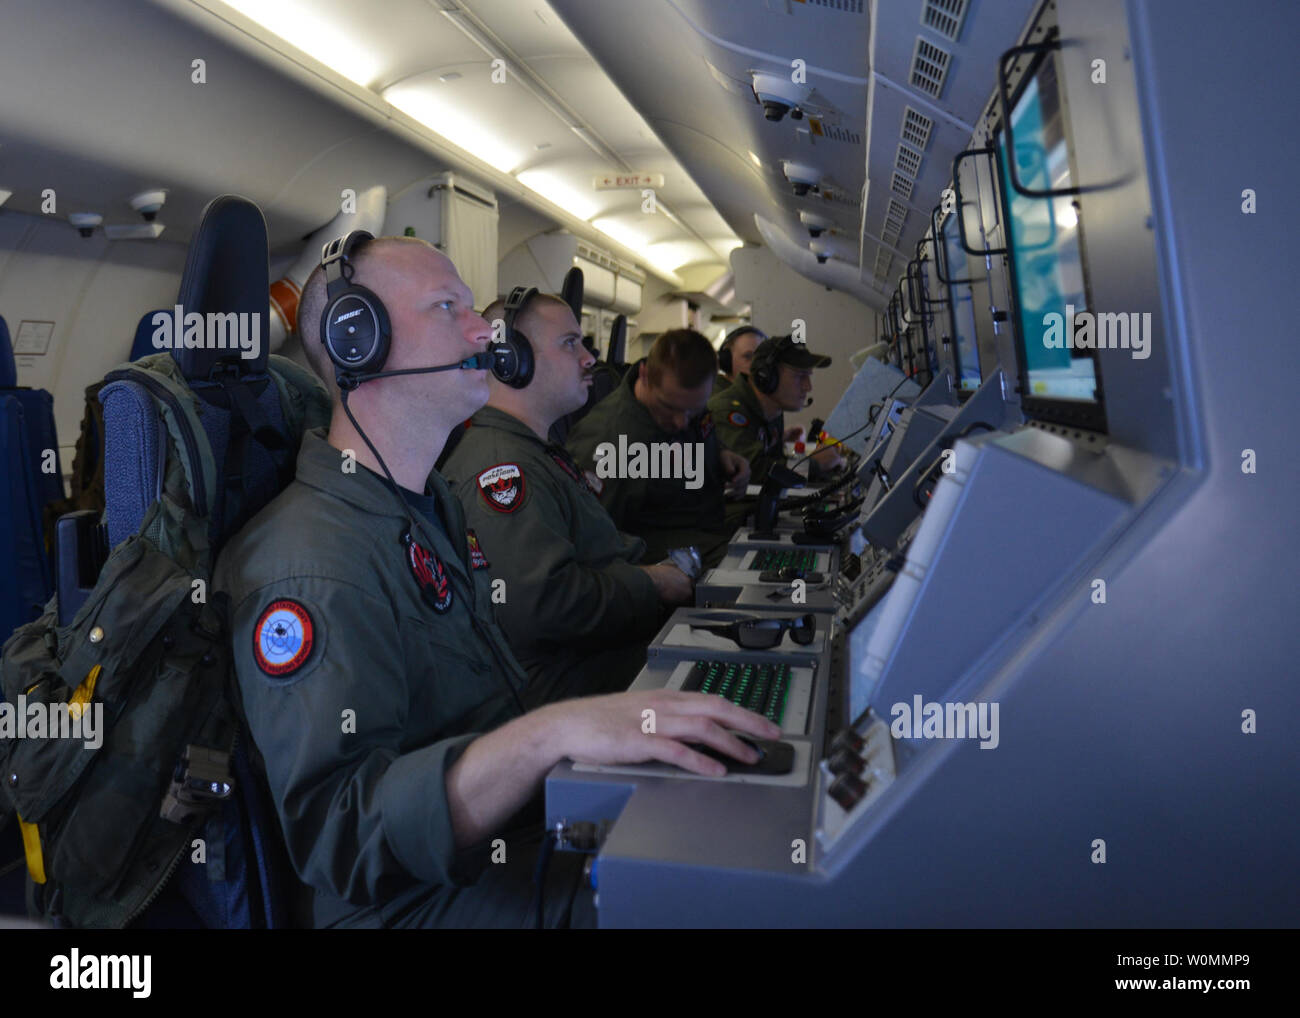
577 608
750 413
653 456
380 694
735 355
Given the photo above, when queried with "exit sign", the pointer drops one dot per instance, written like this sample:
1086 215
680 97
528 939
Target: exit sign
615 181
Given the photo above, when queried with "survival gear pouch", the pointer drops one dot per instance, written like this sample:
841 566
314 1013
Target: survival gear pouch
135 698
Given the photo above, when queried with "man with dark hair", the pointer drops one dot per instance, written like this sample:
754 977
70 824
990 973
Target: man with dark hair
652 454
575 603
735 355
750 413
379 691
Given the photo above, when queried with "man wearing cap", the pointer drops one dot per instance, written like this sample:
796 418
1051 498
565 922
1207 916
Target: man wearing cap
735 355
750 413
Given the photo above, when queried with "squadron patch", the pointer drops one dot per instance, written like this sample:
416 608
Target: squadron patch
477 560
282 638
429 573
737 418
502 487
706 424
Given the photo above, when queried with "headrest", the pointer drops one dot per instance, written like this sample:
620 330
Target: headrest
617 341
572 291
8 369
227 270
143 346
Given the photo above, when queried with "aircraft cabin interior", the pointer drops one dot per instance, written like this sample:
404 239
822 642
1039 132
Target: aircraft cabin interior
1008 625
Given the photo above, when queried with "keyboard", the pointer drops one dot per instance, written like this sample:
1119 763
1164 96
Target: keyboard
784 558
762 688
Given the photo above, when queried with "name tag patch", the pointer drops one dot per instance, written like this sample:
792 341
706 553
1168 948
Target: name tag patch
477 560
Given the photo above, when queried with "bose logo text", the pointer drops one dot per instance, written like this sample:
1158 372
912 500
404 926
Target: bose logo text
350 314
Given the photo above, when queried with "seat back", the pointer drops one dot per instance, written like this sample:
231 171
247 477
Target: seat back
31 478
247 880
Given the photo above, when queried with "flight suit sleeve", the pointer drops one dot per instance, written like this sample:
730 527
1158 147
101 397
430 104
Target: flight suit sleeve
363 814
742 440
552 595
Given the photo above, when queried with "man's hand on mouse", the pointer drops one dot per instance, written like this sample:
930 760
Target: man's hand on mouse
612 729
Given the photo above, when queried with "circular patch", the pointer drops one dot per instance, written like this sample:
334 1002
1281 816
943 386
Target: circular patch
435 587
282 638
502 487
738 419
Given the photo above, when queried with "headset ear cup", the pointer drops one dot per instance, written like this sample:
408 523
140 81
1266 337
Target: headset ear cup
514 364
350 352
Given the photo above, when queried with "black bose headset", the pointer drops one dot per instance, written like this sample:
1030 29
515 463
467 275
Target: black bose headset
764 372
354 325
513 362
724 351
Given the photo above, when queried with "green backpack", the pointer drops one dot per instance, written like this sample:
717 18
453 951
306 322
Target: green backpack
139 684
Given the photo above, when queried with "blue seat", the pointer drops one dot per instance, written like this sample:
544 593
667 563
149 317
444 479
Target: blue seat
239 408
27 432
142 345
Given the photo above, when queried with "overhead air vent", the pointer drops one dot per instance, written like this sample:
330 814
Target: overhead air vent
901 185
908 161
835 133
944 16
895 217
884 262
916 128
929 67
848 6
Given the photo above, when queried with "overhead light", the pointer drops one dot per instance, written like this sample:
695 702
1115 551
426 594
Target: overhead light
672 255
445 118
298 23
1066 217
5 195
553 189
755 160
622 233
449 76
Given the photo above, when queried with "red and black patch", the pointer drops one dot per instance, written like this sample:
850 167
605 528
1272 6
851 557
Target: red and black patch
738 419
502 487
706 424
427 568
282 638
477 560
566 464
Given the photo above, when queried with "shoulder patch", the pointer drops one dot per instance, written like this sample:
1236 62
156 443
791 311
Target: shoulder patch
477 560
706 424
282 638
502 487
738 419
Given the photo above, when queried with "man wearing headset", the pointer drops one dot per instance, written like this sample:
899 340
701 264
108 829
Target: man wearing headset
575 604
380 695
750 412
661 404
735 355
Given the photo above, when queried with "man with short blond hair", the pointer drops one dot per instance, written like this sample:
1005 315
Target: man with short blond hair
381 696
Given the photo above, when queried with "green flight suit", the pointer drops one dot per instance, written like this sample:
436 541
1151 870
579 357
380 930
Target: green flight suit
577 611
366 668
663 511
743 429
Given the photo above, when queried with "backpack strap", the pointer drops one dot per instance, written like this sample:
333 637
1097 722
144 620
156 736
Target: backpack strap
305 399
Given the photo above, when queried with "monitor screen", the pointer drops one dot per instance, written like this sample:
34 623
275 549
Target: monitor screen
1046 263
962 306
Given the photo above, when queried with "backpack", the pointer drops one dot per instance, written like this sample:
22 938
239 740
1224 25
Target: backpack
140 686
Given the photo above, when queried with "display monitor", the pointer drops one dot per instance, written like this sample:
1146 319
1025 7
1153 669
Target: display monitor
961 307
1059 377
